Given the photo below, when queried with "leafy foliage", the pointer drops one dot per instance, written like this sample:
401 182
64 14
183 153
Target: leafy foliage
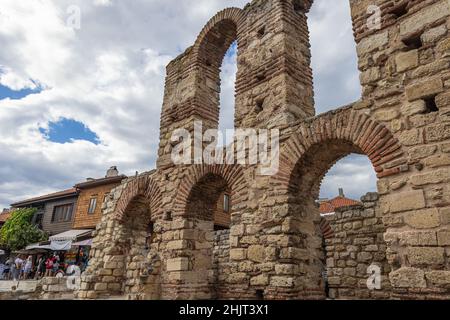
18 231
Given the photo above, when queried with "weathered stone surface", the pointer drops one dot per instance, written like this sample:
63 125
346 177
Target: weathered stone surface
444 237
438 161
408 200
237 254
408 278
423 219
440 278
372 43
261 280
432 177
178 264
425 256
407 60
426 16
275 243
256 253
424 88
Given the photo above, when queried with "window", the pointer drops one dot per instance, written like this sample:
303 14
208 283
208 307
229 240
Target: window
92 205
62 213
226 203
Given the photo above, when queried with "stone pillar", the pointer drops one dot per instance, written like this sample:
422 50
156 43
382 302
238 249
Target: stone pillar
404 62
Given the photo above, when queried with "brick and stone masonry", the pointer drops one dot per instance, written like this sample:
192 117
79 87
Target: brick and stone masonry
156 239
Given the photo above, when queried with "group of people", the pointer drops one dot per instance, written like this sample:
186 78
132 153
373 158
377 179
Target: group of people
22 268
17 269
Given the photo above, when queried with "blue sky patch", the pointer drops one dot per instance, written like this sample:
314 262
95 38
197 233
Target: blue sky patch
232 50
67 130
6 92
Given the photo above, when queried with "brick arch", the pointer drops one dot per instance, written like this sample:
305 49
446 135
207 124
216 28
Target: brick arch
232 174
232 15
325 228
358 130
145 187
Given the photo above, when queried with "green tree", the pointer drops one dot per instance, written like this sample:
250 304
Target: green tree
18 231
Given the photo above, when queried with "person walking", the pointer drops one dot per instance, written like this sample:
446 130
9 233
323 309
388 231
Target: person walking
7 272
40 268
18 268
49 267
28 266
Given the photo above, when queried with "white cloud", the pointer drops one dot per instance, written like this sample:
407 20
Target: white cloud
355 174
109 75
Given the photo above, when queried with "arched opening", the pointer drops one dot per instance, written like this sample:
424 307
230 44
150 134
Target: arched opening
352 176
227 94
344 237
216 52
334 59
209 207
141 261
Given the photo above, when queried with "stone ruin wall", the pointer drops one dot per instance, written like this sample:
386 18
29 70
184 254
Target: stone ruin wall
356 242
401 123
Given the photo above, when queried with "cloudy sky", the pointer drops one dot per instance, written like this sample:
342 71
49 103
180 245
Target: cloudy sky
75 101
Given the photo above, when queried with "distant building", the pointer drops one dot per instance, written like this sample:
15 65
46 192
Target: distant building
75 208
92 194
55 211
4 216
328 207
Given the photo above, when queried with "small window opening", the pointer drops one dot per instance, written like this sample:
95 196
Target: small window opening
259 105
259 294
413 42
400 9
150 235
167 216
261 77
226 203
261 32
298 6
431 105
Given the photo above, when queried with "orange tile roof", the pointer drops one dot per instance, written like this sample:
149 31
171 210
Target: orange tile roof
4 217
330 206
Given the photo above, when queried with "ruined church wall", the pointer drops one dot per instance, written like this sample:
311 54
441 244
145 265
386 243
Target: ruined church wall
355 244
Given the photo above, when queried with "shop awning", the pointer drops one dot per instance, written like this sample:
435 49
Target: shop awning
38 246
83 243
63 241
70 235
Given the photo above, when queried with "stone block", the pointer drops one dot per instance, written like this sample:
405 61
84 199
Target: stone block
438 161
408 278
439 278
438 132
425 256
407 60
261 280
177 245
444 237
372 43
101 286
256 253
413 108
432 177
423 219
405 201
178 264
445 216
424 89
237 254
424 17
283 282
